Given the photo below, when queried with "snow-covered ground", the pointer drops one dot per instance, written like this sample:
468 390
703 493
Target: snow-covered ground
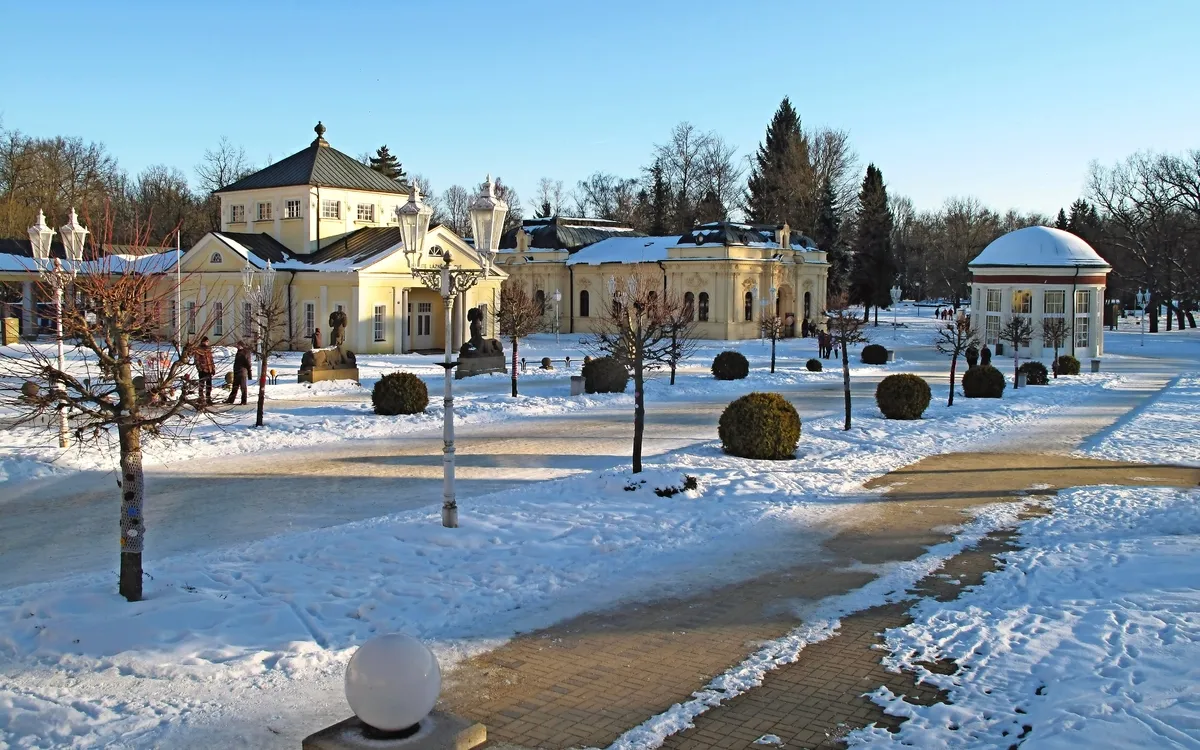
1162 432
279 616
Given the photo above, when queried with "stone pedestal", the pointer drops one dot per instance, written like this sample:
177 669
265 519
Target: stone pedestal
478 365
437 731
333 363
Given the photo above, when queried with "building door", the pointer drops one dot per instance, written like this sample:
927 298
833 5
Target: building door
422 337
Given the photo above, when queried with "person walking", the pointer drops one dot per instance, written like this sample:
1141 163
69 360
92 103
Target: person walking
241 372
205 369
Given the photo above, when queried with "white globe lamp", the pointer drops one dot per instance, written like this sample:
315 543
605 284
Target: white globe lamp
392 682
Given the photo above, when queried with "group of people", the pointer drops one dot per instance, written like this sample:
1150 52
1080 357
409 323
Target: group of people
944 313
827 345
206 369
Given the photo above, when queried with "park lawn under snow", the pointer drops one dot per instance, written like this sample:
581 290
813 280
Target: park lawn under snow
291 608
1165 431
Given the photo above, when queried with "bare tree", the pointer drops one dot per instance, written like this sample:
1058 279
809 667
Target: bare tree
1054 335
456 204
772 328
122 377
955 337
681 339
721 173
221 166
519 316
550 198
834 159
606 196
1017 331
846 328
267 313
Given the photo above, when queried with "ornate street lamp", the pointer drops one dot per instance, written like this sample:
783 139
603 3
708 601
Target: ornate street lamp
487 221
895 292
557 300
52 272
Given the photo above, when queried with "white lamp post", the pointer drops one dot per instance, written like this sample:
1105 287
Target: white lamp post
557 300
487 223
1143 297
895 291
52 271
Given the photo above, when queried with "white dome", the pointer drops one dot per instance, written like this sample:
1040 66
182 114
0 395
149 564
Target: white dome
1046 247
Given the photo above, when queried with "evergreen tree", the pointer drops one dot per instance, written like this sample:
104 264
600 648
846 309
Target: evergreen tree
709 209
828 235
780 187
1083 216
660 200
1061 222
387 165
874 267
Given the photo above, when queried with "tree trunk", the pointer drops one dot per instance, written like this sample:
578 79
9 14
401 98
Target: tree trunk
846 381
132 526
1170 307
866 313
639 408
1054 364
262 387
1179 316
953 365
772 355
672 373
1015 366
876 314
1153 315
514 367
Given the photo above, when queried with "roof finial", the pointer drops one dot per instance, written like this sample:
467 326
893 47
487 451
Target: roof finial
320 131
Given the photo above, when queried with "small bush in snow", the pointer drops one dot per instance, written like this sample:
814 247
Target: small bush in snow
874 354
760 425
813 365
904 396
1067 365
1035 373
689 483
983 381
604 375
730 365
399 393
547 364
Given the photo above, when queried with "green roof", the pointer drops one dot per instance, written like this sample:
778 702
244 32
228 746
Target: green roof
319 164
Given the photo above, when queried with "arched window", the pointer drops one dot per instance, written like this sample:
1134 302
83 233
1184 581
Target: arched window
216 258
702 311
584 304
749 306
540 298
808 305
689 305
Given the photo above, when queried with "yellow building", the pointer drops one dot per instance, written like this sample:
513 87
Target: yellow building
732 274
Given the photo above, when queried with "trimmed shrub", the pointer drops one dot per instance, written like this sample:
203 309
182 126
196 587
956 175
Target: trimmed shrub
546 364
1067 365
983 381
814 365
605 375
399 393
760 425
874 354
1035 373
730 365
903 396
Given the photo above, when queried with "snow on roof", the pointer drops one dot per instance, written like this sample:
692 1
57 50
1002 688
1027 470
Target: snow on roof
114 263
624 250
1044 247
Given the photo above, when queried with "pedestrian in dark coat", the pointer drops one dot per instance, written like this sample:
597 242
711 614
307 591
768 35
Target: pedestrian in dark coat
316 338
205 369
241 372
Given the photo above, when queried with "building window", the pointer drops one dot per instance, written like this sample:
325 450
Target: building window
310 319
749 306
689 305
366 212
291 209
1083 314
540 298
331 209
380 311
991 331
264 211
215 258
424 319
585 304
702 310
218 319
993 300
247 318
1055 302
1022 302
190 308
237 214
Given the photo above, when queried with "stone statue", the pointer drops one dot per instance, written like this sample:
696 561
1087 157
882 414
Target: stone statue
337 328
477 346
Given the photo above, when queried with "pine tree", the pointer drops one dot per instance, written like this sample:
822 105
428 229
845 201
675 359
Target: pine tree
828 235
1083 216
1061 221
387 165
660 199
780 186
874 268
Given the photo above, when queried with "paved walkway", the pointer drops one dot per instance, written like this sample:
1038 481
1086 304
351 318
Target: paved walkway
584 682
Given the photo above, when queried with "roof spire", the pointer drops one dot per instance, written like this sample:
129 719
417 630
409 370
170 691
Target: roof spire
320 131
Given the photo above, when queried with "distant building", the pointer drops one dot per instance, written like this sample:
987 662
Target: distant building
1041 272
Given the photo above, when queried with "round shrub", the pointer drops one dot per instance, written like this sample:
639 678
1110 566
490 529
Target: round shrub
983 381
874 354
760 425
1035 373
903 396
546 364
399 393
814 365
1067 365
730 365
605 375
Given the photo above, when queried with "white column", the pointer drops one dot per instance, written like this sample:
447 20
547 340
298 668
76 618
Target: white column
29 318
402 323
354 337
456 322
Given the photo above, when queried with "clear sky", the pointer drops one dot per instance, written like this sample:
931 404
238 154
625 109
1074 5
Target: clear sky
1006 101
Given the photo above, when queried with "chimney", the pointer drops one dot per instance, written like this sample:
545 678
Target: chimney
522 241
783 237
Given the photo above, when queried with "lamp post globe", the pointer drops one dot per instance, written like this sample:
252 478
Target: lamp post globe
40 237
487 223
392 682
73 236
414 225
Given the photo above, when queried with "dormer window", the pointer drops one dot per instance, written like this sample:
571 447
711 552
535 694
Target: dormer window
215 259
237 214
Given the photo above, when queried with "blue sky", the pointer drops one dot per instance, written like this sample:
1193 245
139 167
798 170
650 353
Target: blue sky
1006 101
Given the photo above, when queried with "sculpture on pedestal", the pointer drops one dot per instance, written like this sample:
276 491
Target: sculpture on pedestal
335 362
479 355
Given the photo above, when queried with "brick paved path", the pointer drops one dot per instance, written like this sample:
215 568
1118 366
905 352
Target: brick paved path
584 682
